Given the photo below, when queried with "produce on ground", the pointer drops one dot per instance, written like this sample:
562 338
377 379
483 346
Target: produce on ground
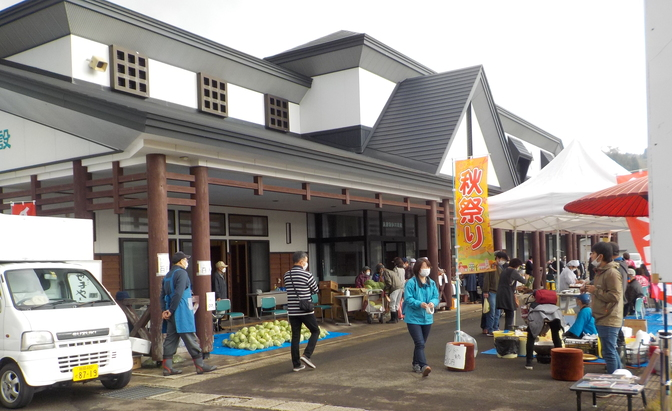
266 335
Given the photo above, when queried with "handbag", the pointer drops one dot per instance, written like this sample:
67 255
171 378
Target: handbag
304 305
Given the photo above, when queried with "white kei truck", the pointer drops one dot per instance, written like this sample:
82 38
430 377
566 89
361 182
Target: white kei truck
58 324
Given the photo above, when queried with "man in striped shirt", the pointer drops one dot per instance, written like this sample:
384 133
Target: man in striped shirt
301 285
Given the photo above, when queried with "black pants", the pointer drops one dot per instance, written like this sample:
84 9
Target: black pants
295 322
508 319
555 334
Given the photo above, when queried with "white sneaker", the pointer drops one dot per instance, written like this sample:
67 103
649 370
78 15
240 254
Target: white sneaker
307 361
297 369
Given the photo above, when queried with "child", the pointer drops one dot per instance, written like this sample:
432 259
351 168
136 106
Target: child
585 323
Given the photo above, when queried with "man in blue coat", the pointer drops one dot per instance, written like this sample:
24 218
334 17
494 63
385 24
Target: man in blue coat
178 316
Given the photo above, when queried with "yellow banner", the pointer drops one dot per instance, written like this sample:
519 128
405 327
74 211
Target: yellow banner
475 253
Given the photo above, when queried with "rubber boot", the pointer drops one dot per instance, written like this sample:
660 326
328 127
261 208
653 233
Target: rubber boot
201 367
168 368
393 317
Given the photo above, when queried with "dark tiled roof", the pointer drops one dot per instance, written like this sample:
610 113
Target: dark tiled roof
423 114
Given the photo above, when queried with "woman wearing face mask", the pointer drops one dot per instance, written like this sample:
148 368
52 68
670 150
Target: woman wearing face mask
607 292
363 276
421 296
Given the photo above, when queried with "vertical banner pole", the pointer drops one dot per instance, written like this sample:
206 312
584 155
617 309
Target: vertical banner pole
458 282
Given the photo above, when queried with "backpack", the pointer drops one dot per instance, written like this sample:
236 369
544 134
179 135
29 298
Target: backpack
542 296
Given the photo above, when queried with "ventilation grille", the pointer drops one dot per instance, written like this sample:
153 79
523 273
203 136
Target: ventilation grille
277 113
66 364
212 95
130 72
81 343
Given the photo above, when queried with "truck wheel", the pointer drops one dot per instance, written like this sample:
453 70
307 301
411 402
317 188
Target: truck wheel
117 381
14 391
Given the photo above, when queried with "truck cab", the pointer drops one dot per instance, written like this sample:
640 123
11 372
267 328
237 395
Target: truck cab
58 324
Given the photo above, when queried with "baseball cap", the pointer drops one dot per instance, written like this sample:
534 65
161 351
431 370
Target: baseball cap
178 256
584 298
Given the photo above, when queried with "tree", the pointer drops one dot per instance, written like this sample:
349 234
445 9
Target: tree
629 161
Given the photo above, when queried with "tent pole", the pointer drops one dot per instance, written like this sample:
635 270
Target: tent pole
557 255
515 243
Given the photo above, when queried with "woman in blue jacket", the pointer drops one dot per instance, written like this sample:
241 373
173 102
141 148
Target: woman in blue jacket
420 297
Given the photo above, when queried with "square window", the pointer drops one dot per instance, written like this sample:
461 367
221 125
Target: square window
277 115
211 93
125 75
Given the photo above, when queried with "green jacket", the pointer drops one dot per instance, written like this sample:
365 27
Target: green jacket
491 280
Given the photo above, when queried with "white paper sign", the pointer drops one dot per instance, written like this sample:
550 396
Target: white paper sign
164 264
204 267
210 301
455 356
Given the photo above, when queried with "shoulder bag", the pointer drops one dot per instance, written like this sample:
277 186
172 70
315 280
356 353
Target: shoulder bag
304 305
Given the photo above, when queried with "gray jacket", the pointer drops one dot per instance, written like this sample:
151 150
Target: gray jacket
539 314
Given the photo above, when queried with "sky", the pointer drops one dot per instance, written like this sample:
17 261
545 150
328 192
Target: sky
574 68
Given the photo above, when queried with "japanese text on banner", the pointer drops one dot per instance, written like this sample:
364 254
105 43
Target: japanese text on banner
476 252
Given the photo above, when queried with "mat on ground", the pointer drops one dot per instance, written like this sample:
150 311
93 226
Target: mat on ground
219 349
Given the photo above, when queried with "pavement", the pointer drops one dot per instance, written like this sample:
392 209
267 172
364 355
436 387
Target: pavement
369 369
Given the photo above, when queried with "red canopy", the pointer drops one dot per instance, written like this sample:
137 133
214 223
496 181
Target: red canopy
629 199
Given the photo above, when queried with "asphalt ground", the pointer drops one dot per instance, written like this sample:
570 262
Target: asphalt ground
370 369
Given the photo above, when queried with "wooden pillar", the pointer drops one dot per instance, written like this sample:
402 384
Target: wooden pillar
432 240
497 238
79 179
446 243
35 185
157 221
536 260
544 256
200 237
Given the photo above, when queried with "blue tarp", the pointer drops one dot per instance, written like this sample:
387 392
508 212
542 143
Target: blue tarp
219 349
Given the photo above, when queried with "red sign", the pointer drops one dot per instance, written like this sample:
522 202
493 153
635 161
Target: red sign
23 209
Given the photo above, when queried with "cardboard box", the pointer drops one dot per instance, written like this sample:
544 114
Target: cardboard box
328 285
655 278
137 362
327 296
636 325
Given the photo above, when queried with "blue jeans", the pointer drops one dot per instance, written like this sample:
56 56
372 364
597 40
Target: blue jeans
419 333
608 338
492 316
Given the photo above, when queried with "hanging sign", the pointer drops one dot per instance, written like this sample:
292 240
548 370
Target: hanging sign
23 209
476 252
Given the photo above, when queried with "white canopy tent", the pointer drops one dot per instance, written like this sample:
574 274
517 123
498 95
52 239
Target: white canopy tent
537 204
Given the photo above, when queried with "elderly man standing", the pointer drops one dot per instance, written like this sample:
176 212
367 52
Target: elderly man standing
178 317
219 281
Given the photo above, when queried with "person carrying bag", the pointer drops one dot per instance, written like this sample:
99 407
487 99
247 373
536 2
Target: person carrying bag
301 286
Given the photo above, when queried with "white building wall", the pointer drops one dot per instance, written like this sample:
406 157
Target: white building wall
172 84
658 28
107 230
332 102
374 92
53 56
247 105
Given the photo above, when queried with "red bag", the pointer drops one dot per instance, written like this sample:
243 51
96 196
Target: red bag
542 296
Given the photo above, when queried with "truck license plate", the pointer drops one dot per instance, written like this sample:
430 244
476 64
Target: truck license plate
85 372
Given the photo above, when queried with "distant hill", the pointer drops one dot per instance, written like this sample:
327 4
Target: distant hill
629 161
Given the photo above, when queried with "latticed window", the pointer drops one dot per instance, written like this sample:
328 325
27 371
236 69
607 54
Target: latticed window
212 95
277 113
130 71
